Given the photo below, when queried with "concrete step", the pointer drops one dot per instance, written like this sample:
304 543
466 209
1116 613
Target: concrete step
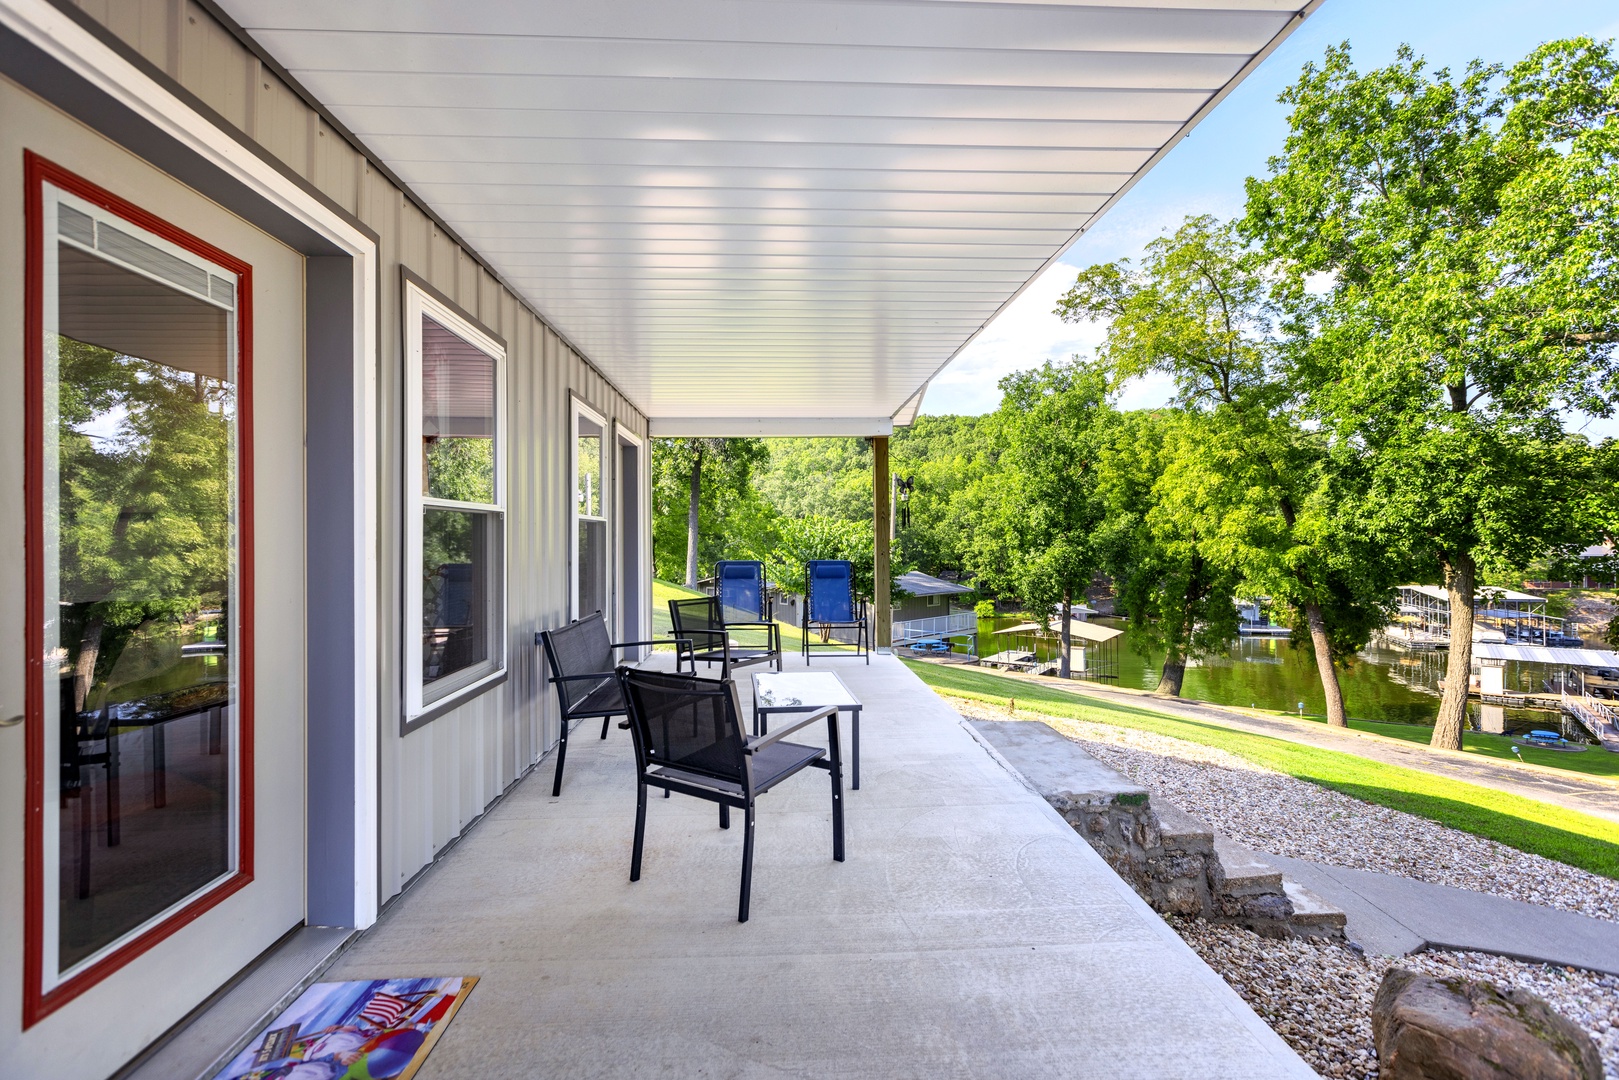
1181 830
1309 910
1245 872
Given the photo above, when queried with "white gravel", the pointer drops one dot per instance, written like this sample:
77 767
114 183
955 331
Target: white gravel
1270 811
1318 996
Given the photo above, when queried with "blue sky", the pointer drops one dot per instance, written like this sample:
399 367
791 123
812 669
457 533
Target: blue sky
1204 174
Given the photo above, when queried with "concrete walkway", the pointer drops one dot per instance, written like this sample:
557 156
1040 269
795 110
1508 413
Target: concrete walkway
1591 795
971 933
1395 915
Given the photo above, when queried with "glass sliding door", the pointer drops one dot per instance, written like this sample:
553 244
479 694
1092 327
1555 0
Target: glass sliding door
143 658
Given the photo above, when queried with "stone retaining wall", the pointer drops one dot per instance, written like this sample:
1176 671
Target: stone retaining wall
1173 860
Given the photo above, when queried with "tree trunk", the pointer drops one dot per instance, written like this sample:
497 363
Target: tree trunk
1323 662
691 517
1460 574
1169 683
84 669
1065 666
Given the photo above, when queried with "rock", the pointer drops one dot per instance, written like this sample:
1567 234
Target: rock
1459 1029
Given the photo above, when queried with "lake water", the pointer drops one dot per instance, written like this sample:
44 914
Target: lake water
1271 673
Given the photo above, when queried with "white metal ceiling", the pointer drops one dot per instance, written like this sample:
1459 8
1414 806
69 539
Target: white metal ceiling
769 210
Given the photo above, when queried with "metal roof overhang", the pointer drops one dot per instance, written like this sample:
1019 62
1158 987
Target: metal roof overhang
1540 654
768 216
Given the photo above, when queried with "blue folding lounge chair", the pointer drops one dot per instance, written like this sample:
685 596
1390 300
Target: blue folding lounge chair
829 604
740 585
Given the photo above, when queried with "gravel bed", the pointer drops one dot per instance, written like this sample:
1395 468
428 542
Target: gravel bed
1318 996
1270 811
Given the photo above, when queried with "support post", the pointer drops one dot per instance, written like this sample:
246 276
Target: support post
882 491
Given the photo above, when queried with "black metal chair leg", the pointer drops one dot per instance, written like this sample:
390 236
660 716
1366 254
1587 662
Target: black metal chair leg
835 745
640 832
747 863
725 816
562 755
605 721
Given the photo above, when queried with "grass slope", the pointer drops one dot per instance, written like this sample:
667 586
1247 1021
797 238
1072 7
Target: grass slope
1568 836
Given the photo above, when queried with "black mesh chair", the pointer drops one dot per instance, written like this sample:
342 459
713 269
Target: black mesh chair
701 620
689 740
582 661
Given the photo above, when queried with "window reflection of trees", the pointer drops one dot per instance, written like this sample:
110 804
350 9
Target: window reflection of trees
145 467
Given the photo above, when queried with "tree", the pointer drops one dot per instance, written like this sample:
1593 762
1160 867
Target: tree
146 502
706 479
1157 538
1200 310
941 456
1036 511
820 537
1465 230
825 477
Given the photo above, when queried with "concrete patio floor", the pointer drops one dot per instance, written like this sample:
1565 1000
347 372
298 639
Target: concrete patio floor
970 933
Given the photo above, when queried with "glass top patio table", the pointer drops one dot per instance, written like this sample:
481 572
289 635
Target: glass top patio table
805 691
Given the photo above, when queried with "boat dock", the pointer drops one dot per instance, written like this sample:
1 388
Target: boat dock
1598 717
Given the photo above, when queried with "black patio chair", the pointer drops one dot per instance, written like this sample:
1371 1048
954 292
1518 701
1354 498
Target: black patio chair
701 620
583 668
829 604
689 739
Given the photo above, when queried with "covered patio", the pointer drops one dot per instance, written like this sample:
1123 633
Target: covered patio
970 932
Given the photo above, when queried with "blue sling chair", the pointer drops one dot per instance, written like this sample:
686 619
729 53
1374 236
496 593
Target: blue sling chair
829 604
740 585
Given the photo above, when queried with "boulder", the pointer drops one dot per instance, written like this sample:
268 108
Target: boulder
1459 1029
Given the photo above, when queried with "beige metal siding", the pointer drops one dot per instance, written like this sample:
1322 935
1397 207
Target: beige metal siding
438 778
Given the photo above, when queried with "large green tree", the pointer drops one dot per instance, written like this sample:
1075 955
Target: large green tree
145 501
1034 514
941 456
704 488
1199 309
1159 537
1464 231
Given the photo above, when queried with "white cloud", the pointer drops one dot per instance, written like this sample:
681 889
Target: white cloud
1026 334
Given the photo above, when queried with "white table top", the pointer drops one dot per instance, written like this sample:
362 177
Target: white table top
800 689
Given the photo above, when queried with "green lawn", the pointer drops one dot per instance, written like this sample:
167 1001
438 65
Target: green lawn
665 591
1595 761
1578 839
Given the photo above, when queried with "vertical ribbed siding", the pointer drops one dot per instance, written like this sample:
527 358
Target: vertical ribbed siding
438 778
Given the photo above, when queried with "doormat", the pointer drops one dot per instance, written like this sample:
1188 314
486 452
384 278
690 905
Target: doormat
373 1029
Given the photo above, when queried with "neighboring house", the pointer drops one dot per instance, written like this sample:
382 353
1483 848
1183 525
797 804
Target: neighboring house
925 597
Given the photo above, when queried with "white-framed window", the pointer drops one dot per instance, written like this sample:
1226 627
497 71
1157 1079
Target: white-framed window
455 506
590 561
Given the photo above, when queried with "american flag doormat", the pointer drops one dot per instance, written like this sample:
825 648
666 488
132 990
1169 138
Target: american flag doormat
373 1029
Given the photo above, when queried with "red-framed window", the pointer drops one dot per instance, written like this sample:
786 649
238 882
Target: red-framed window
139 556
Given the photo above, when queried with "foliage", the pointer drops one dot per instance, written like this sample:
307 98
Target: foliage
828 478
1465 228
146 498
819 537
464 469
733 521
942 456
1268 494
984 609
1029 523
1540 828
1155 539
